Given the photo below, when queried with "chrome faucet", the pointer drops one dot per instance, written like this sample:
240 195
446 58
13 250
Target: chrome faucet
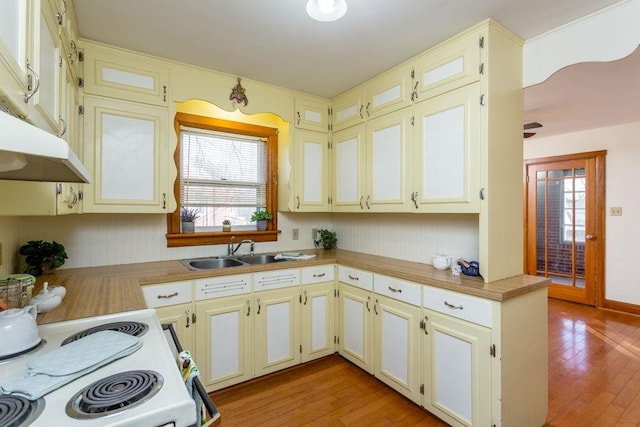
231 250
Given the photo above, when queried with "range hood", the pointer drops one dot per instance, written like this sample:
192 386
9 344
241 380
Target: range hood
31 154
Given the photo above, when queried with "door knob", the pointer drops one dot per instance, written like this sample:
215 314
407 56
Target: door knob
590 237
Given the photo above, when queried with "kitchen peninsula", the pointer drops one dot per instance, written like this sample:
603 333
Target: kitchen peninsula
498 328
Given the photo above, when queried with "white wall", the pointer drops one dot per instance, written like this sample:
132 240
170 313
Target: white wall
623 152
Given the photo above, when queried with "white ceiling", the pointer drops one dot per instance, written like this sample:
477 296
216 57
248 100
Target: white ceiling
274 41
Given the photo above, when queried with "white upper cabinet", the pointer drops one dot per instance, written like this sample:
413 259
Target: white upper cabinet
388 92
450 65
125 76
312 179
348 109
312 114
446 151
15 23
371 165
126 152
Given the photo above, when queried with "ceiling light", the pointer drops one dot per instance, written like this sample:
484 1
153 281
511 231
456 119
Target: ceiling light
326 10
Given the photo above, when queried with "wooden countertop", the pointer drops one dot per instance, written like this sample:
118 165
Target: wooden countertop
94 291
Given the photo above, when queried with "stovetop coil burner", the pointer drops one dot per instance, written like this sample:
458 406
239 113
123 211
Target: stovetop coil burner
16 411
12 356
135 329
114 393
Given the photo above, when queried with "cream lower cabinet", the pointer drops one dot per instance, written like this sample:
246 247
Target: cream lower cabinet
317 300
397 334
173 304
127 154
277 330
457 370
224 330
356 316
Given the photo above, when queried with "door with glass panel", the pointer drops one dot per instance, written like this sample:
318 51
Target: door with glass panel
564 225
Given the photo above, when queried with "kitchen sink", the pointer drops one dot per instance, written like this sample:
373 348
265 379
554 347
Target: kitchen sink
215 263
259 259
211 263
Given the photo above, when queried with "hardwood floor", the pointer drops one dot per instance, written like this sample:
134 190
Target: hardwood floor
594 380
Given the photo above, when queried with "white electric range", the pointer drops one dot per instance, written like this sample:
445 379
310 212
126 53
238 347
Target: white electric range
151 370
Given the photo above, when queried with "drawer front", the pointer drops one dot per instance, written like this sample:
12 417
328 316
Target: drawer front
218 287
465 307
397 289
264 281
167 294
358 278
318 274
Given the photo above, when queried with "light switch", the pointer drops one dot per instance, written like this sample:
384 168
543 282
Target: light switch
295 234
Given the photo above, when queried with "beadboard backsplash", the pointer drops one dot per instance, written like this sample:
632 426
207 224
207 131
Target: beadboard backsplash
108 239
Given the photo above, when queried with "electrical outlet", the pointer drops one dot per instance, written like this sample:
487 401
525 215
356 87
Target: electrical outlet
615 211
295 234
314 234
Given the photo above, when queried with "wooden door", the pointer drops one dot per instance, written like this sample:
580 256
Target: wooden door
564 231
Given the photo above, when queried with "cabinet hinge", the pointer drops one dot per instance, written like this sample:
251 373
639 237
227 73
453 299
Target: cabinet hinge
81 56
60 62
193 317
336 340
81 109
300 299
80 82
492 350
481 42
413 121
330 111
80 195
481 68
329 200
413 74
482 99
58 188
423 324
421 388
300 348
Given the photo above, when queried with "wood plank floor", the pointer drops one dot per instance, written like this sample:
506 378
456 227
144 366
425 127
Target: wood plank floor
594 380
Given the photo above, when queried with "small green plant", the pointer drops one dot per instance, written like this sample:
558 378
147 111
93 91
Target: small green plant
189 214
226 222
261 216
326 239
42 257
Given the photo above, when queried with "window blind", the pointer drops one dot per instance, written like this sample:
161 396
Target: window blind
222 170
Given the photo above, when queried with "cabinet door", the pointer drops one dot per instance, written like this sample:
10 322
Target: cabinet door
181 317
312 114
397 346
388 150
224 334
348 170
125 76
348 109
126 152
356 325
311 171
47 58
451 65
277 330
15 23
388 92
446 153
457 370
317 320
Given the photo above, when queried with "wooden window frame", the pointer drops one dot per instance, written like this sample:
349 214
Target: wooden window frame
174 237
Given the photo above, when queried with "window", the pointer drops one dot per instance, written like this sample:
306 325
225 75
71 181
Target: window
573 206
227 170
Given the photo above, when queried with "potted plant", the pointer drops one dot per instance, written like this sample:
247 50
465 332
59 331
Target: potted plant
188 217
327 239
226 225
261 218
43 257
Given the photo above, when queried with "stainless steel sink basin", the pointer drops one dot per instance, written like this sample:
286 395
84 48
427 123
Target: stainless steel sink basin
259 259
215 263
211 263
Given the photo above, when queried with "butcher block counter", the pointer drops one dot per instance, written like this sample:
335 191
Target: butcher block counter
93 291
